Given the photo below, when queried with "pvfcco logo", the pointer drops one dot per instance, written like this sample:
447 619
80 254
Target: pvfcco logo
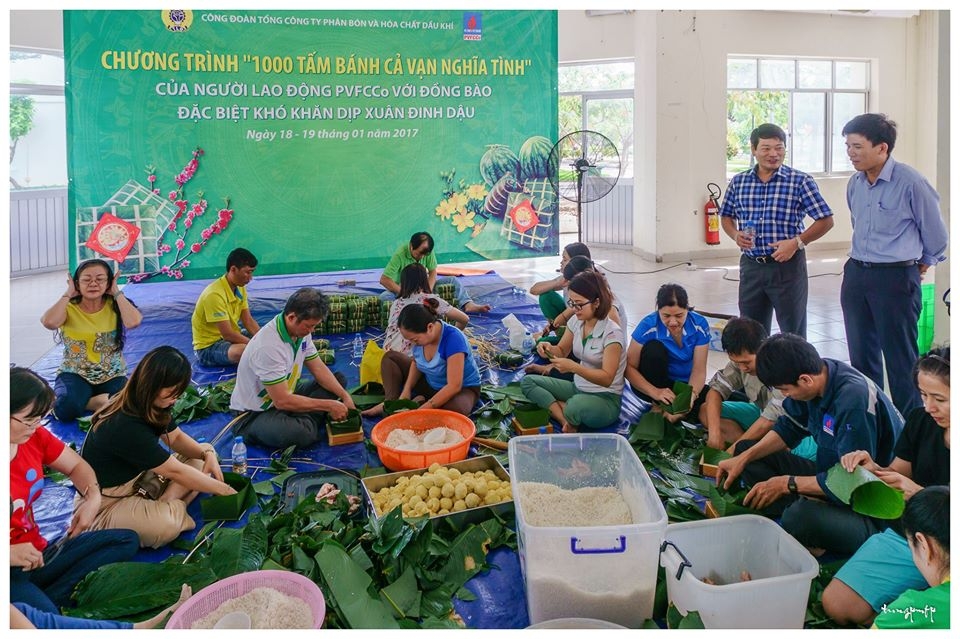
472 27
177 20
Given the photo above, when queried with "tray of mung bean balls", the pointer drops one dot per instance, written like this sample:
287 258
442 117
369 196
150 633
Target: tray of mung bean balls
467 491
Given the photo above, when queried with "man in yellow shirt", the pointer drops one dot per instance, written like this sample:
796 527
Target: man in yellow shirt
221 308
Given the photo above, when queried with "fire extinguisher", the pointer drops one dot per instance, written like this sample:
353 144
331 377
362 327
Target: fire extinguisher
711 215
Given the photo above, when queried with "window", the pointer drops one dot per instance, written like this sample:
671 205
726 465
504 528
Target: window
599 97
38 150
810 99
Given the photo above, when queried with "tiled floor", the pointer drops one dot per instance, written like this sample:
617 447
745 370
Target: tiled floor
711 286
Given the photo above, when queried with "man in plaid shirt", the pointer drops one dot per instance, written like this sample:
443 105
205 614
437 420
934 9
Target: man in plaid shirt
763 213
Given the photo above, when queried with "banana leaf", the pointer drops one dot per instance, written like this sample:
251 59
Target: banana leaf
865 492
403 595
230 507
349 584
683 392
135 589
368 395
237 550
712 456
349 424
649 428
511 391
531 415
727 504
392 406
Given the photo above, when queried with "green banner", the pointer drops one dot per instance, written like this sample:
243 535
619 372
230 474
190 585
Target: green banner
319 140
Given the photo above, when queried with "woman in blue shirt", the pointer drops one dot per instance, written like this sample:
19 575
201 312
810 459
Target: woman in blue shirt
442 368
666 346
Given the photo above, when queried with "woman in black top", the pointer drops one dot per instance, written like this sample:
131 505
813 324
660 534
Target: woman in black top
123 443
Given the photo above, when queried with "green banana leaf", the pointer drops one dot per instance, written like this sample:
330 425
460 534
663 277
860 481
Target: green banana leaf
712 456
349 424
649 428
865 492
531 415
367 396
230 507
136 589
683 392
349 584
237 550
511 391
403 595
392 406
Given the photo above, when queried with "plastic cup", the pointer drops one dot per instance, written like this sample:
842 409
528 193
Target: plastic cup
233 620
749 231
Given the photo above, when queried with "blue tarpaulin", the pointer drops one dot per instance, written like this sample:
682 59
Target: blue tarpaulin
166 309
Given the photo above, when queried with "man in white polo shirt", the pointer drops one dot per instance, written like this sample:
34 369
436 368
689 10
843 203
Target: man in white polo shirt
281 410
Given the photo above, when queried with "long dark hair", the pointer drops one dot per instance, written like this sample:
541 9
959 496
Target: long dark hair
414 279
119 333
163 367
27 389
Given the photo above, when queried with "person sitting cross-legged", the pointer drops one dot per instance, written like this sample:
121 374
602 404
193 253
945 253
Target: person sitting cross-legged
729 420
221 308
282 411
844 411
592 399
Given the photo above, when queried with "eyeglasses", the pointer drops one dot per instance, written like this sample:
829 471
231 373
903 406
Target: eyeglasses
91 280
578 305
33 423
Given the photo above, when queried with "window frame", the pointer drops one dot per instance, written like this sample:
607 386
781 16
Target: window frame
829 94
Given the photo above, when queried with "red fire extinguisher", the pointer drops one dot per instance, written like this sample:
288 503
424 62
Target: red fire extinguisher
711 215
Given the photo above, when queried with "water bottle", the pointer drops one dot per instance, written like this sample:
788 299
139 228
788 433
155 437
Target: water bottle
749 230
526 346
357 347
239 455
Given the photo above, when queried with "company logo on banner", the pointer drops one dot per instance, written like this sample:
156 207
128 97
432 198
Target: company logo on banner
472 28
177 20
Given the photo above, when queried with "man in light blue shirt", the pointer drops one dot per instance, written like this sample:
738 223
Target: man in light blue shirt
898 234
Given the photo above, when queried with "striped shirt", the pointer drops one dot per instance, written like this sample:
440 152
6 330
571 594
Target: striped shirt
776 207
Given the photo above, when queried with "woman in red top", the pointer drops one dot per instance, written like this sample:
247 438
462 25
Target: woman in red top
41 574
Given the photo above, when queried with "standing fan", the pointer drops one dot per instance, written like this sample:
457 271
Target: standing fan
584 166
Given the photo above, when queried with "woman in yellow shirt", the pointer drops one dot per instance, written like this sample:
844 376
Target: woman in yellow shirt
90 319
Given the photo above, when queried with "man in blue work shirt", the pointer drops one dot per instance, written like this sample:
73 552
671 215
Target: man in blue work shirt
897 235
844 411
763 213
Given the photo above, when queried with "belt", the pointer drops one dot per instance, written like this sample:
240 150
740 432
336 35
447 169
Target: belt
902 264
762 259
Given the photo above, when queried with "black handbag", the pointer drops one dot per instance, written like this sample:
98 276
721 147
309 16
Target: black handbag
150 485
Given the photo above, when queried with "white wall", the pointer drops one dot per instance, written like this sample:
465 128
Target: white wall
684 83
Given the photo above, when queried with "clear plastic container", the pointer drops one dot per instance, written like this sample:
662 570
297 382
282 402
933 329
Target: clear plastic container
780 571
599 572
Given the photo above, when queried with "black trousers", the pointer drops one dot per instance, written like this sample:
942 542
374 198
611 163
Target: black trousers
881 307
812 522
775 286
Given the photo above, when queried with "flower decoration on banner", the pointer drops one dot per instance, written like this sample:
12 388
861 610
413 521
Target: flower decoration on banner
461 203
185 235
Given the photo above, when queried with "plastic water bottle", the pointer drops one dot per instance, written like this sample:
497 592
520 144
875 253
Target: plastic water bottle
239 456
357 347
526 346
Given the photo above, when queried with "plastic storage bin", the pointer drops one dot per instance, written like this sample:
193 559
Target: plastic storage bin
780 568
597 572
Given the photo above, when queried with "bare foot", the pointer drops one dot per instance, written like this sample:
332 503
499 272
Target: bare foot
567 428
185 593
470 307
537 369
373 411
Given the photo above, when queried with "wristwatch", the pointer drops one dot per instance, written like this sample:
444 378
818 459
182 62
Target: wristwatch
792 484
800 244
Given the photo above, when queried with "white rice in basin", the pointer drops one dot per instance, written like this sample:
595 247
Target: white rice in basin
267 607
